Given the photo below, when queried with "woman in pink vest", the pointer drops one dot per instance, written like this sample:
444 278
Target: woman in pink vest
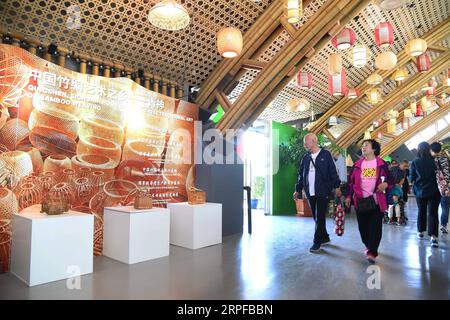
367 183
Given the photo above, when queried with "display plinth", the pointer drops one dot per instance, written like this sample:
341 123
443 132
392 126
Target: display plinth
132 236
195 226
47 248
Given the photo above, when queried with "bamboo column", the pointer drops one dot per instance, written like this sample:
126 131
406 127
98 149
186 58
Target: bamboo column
47 55
118 70
163 87
106 70
16 42
95 66
62 56
180 92
147 80
83 64
172 89
156 85
128 71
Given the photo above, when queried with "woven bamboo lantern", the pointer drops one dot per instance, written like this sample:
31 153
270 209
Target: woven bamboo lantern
386 60
337 84
304 80
400 75
416 47
335 64
360 55
344 39
353 93
391 126
423 62
384 35
229 42
294 10
374 79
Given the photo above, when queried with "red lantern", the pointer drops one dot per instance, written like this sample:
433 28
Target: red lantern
337 85
344 39
419 112
353 93
423 62
430 92
384 35
405 124
304 80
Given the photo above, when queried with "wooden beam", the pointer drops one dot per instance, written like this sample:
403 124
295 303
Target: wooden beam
438 48
438 136
350 116
389 135
436 34
267 82
410 85
414 129
223 100
329 135
253 64
288 27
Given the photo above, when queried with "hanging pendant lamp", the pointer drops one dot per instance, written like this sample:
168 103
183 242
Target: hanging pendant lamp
391 126
304 80
360 55
353 93
374 79
294 10
386 60
334 64
389 4
344 39
399 75
169 15
229 42
374 96
416 47
337 84
384 35
423 62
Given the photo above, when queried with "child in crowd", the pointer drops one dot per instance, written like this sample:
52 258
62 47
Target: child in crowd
395 208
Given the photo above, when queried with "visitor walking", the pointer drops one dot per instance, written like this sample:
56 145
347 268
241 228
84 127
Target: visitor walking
317 176
443 180
423 178
368 180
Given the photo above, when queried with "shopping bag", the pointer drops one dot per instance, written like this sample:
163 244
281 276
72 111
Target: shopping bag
339 219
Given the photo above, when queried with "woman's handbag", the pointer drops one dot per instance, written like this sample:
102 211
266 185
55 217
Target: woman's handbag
366 204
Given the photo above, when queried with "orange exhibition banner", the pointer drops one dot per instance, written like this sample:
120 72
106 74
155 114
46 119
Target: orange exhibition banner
89 140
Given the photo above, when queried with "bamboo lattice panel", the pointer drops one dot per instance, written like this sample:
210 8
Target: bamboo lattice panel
408 23
119 31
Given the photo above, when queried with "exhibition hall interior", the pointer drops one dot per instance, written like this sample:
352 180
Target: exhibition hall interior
224 149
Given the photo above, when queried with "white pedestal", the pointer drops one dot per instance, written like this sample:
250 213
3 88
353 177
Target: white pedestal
195 226
132 236
49 248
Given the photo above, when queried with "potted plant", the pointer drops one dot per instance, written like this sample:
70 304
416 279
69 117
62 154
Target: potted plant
257 191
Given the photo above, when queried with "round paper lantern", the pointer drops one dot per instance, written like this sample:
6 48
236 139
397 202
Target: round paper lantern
344 39
374 79
294 10
359 55
400 75
384 35
334 64
291 105
337 84
303 105
386 60
304 80
423 62
416 47
229 42
353 93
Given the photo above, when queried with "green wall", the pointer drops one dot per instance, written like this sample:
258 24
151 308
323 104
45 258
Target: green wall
283 183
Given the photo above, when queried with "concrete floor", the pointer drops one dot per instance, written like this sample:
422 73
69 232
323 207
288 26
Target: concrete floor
272 263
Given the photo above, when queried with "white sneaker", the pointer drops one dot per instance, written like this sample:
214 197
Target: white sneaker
444 229
420 235
434 243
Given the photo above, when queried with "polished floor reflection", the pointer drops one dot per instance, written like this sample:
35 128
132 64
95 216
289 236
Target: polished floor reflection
272 263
